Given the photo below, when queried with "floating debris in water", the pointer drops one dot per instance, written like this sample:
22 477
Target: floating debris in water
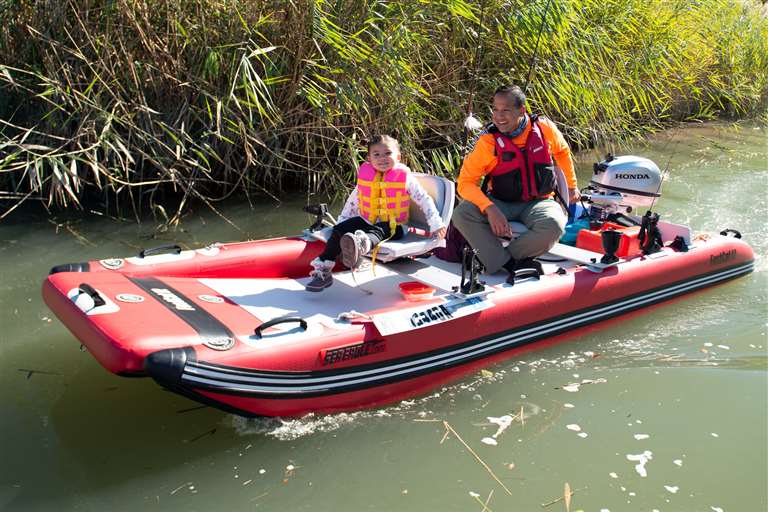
677 462
724 347
503 422
569 406
641 459
613 475
641 437
672 488
582 434
714 434
574 386
716 509
188 485
489 441
573 427
262 471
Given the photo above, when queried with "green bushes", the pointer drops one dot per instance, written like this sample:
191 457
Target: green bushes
124 100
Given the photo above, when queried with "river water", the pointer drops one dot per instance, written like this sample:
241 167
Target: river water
670 414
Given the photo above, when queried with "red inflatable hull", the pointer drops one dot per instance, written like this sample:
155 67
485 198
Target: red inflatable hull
175 332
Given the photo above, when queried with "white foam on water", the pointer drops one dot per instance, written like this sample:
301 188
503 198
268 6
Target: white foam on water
641 459
294 428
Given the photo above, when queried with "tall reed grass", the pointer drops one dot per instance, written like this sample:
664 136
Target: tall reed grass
125 103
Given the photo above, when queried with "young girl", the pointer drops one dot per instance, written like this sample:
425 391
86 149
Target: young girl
374 212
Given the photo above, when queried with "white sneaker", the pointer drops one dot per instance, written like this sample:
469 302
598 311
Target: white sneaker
353 247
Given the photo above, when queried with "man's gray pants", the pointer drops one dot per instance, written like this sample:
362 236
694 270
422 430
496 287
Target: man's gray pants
544 218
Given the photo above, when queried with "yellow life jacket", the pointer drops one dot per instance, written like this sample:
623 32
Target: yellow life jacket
383 196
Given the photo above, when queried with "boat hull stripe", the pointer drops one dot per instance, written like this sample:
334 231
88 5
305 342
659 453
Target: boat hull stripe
308 384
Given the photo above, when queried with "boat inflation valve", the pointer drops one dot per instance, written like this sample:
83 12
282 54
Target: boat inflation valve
610 239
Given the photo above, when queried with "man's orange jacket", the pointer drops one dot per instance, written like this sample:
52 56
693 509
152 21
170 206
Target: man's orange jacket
482 160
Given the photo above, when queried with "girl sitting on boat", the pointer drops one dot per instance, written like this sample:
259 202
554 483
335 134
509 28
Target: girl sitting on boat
375 211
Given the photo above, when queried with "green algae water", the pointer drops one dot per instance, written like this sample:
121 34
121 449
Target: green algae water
665 410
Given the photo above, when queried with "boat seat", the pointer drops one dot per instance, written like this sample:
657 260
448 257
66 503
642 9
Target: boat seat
442 192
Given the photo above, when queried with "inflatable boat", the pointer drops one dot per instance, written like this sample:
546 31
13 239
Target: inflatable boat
231 325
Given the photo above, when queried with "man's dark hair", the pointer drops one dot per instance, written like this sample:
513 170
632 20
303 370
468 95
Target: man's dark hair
514 92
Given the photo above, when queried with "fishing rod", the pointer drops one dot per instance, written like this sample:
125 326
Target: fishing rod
471 123
649 235
532 66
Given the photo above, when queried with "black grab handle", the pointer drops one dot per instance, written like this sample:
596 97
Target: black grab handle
160 249
731 232
88 290
523 273
280 320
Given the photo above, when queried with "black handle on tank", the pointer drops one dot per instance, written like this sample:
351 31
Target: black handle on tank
88 290
280 320
175 249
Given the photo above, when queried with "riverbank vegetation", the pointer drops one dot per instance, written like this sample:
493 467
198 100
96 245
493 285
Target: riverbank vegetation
129 105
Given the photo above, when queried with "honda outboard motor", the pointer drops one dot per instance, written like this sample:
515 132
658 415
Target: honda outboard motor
622 184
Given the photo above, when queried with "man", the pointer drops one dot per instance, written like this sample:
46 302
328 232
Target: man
515 153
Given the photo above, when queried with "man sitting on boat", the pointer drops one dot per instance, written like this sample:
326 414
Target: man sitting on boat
375 211
515 153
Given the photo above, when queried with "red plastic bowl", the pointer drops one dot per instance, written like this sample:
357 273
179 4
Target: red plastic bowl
414 290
